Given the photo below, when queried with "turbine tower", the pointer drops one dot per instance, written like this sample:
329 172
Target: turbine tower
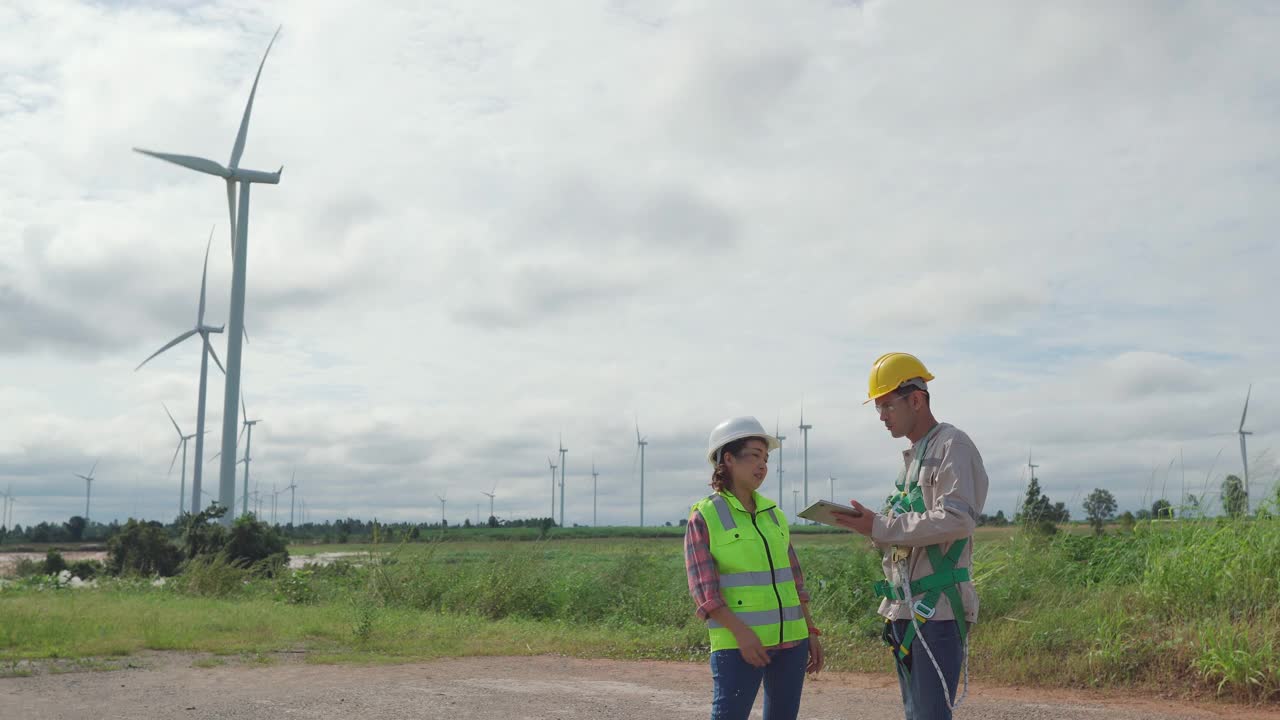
206 350
563 451
442 502
641 442
804 431
233 174
832 480
553 489
182 445
595 477
88 480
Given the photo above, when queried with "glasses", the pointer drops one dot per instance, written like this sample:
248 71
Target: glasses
889 406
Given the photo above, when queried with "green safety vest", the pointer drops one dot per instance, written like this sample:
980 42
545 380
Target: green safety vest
946 577
750 552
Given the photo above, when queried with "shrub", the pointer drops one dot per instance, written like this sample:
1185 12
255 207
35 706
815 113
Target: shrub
142 548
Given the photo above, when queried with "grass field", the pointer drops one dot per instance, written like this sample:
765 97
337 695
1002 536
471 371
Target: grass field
1188 607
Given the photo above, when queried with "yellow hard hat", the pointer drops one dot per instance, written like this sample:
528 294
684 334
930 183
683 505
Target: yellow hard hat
891 370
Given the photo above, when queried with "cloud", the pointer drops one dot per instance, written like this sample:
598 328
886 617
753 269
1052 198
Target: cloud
499 224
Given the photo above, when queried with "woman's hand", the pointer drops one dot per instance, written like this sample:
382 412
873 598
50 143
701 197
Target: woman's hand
751 648
816 656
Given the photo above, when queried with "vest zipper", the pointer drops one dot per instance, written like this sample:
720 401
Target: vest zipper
772 577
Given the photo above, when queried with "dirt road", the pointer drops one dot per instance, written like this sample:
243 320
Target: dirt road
503 688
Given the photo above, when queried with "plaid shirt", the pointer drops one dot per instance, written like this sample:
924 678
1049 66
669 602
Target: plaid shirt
704 578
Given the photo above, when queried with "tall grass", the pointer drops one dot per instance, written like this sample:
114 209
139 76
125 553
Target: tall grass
1191 606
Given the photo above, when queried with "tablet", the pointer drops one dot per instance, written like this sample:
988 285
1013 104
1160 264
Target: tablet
821 511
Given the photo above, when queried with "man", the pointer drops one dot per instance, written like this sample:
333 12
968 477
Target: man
926 536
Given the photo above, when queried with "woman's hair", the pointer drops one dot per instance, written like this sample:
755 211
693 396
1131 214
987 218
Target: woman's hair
720 478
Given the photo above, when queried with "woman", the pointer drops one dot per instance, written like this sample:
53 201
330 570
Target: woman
746 581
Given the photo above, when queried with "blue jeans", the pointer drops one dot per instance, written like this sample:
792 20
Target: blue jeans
922 696
737 682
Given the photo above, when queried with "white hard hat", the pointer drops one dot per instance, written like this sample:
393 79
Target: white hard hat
736 429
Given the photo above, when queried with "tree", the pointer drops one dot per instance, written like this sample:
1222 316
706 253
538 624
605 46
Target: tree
1161 509
1127 520
75 527
143 548
1099 507
1234 501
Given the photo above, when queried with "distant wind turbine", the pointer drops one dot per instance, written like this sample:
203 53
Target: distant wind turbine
776 432
553 488
232 174
491 494
182 446
1244 455
804 430
293 488
442 502
206 351
595 477
641 442
88 480
563 452
248 444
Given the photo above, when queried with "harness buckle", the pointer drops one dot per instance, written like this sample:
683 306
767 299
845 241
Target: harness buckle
923 611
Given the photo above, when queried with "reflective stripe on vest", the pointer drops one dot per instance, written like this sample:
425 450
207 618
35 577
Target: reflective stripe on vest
762 577
756 618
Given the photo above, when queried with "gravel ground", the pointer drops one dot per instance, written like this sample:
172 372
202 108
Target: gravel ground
168 685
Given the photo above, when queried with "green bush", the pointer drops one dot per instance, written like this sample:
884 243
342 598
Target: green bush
213 576
86 569
142 548
54 563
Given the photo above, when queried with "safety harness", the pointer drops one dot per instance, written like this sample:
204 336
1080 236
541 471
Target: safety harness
945 579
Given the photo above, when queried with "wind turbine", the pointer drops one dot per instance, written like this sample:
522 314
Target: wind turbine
1244 455
553 489
248 425
595 477
832 480
563 452
205 351
232 174
293 488
491 494
7 509
88 480
795 510
641 442
442 502
781 437
182 445
804 429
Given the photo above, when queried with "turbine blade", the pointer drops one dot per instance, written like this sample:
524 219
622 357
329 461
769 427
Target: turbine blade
204 276
245 330
243 407
209 346
172 342
1246 407
190 162
215 457
238 150
175 422
95 467
175 457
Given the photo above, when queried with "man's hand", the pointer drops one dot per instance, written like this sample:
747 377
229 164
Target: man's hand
751 648
860 524
816 656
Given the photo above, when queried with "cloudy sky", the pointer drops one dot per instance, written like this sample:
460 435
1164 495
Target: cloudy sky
503 221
